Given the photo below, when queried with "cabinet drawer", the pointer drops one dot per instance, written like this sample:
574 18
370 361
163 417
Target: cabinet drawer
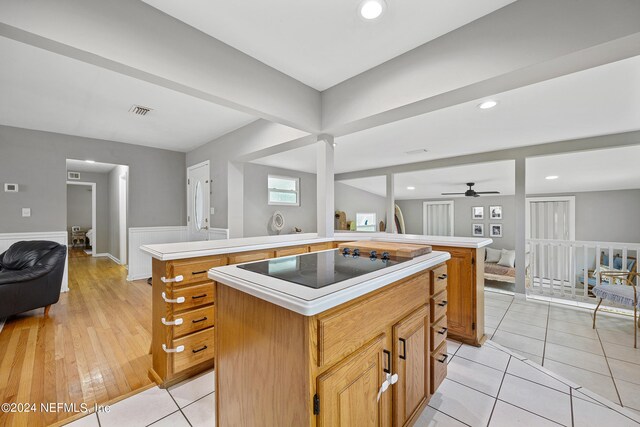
291 251
194 296
194 271
198 348
438 333
194 320
342 331
438 366
438 279
438 306
249 256
320 247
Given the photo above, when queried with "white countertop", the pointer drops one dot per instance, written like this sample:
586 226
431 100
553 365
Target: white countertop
170 251
308 301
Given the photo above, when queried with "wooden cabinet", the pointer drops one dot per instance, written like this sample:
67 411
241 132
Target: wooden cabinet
296 250
465 289
349 391
327 369
240 257
411 363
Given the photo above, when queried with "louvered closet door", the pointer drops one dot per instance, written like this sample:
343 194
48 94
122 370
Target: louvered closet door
438 218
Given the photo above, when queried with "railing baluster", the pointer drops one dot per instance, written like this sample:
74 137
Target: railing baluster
585 270
597 269
572 269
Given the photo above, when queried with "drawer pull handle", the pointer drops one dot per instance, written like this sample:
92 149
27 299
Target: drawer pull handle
175 279
178 349
442 277
442 331
403 356
198 296
199 320
442 303
444 358
178 300
176 322
198 272
198 350
388 368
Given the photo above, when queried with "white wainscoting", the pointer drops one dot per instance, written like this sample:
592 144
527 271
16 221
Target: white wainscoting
140 262
7 239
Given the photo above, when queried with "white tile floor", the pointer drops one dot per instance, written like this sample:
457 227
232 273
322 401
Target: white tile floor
499 384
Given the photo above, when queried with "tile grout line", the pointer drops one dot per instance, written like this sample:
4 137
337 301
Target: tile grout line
179 408
606 359
573 423
546 332
495 402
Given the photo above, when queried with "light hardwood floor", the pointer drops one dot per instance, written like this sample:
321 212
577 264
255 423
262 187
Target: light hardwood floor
92 348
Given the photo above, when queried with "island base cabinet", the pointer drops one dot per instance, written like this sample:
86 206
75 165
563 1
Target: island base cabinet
349 391
411 363
278 367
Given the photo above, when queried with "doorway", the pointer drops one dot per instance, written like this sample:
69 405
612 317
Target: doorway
198 201
81 217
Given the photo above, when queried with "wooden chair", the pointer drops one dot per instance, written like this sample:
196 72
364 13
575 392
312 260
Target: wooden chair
624 293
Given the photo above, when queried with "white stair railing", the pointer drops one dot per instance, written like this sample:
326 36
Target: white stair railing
562 268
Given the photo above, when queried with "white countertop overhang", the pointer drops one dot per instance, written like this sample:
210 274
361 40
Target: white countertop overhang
308 301
171 251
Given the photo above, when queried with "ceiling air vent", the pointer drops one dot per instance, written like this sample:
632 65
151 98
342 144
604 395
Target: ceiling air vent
140 110
73 175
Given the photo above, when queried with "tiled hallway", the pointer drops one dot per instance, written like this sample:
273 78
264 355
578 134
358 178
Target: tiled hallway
561 338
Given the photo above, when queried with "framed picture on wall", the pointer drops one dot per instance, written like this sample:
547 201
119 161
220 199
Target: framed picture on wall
477 212
477 230
495 230
495 212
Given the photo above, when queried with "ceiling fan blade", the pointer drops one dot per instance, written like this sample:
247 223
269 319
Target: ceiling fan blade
452 194
487 192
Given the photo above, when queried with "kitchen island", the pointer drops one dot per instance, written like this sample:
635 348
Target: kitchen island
310 339
184 324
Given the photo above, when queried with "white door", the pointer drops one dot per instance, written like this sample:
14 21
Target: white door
437 218
198 205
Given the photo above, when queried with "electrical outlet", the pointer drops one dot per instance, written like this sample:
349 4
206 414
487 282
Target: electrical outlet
26 212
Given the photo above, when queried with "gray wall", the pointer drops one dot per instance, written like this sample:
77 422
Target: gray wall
412 212
37 161
114 209
353 200
608 216
257 213
79 206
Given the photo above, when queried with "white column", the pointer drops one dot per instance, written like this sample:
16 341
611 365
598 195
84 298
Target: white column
235 199
390 205
520 231
325 180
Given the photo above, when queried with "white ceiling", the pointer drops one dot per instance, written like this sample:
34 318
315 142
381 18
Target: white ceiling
83 166
50 92
598 170
322 43
598 101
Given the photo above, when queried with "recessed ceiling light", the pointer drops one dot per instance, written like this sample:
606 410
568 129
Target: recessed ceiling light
411 188
334 145
487 104
90 161
372 9
550 177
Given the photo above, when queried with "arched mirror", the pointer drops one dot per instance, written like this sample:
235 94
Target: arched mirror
198 206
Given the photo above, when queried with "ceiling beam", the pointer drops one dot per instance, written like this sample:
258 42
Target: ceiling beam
135 39
562 147
526 42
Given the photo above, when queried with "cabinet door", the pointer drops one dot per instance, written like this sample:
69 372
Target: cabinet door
411 363
461 289
348 392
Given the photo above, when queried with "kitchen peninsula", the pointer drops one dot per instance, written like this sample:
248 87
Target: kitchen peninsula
198 289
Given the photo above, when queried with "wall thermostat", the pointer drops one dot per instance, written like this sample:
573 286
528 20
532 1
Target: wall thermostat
11 188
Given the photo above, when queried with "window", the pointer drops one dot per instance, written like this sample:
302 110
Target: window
366 222
283 190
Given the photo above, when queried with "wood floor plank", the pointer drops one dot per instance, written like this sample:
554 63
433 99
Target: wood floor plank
91 349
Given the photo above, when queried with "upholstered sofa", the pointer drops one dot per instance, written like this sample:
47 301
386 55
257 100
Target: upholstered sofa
31 276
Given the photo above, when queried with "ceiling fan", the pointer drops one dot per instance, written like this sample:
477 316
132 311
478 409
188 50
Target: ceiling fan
471 192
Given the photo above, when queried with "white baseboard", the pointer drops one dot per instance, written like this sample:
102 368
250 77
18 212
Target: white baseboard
108 255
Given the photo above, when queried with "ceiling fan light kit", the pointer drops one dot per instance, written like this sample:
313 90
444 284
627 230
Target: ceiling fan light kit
471 192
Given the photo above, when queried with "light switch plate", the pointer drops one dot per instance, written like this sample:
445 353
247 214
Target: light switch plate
26 212
213 211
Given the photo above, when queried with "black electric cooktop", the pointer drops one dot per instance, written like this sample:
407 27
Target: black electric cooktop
319 269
